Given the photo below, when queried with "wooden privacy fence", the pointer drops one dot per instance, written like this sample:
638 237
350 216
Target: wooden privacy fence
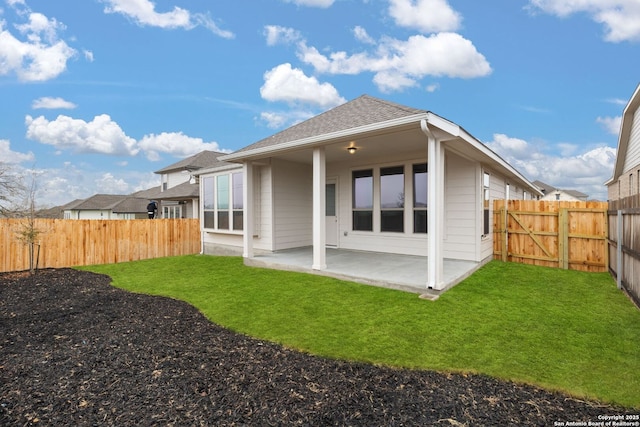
68 243
568 235
624 244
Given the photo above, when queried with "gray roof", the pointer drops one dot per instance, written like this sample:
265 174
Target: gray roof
362 111
180 191
547 189
204 159
113 202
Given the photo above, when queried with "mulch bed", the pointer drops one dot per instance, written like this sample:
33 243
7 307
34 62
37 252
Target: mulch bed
76 351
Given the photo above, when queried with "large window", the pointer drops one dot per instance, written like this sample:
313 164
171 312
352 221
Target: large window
392 199
238 206
363 200
222 201
486 181
420 182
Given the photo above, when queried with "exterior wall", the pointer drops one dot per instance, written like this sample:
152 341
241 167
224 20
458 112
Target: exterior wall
461 211
176 178
376 241
497 190
632 158
292 204
563 197
628 184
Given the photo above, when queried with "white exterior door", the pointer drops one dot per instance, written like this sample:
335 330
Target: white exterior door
331 216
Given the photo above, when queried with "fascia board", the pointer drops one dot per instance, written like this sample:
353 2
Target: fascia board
321 139
457 131
625 134
224 168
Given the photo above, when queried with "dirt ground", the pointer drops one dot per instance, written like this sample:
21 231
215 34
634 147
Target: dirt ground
76 351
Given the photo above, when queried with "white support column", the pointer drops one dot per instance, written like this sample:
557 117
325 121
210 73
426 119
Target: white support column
319 206
435 209
248 217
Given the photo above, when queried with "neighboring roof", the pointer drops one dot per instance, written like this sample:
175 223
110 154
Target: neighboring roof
548 189
113 202
149 193
625 134
204 159
362 111
180 191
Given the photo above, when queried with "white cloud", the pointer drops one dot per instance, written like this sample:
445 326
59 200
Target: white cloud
621 18
109 184
611 124
174 143
52 103
275 120
398 64
101 135
362 36
425 15
38 58
291 85
312 3
88 55
432 88
9 156
276 34
585 172
143 13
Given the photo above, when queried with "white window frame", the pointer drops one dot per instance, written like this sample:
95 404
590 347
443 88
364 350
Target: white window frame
215 210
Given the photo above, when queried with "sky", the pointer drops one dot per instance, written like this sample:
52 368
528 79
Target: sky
96 95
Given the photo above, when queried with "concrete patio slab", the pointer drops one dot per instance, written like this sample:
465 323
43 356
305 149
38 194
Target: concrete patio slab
402 272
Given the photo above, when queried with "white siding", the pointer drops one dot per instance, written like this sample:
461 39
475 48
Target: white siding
177 178
632 158
460 210
292 204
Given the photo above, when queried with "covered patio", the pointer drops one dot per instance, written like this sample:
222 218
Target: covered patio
402 272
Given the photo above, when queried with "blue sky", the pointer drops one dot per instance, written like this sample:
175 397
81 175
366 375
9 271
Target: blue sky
95 95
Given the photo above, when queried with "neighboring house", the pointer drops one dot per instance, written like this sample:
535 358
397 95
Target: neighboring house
107 206
553 193
625 181
178 194
369 175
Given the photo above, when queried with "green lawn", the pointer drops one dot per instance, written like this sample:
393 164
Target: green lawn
563 330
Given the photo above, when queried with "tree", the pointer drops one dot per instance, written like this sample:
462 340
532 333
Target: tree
11 189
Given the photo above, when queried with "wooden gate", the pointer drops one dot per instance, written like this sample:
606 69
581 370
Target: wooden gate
568 235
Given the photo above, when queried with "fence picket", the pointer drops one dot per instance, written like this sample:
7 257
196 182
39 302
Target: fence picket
68 243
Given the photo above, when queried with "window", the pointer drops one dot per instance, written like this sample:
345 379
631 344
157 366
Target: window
420 182
172 211
208 202
392 199
363 200
222 201
238 201
486 181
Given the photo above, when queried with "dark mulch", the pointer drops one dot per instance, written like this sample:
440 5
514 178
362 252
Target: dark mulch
76 351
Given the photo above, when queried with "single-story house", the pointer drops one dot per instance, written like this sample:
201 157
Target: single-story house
367 177
107 206
553 193
625 181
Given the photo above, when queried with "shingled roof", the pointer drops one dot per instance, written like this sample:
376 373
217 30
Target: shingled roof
115 203
203 159
362 111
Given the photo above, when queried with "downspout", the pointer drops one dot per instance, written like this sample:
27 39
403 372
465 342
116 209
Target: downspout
434 257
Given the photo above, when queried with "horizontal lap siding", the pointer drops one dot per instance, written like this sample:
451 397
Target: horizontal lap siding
293 201
460 210
632 158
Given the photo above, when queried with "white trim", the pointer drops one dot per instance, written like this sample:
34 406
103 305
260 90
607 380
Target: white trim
319 209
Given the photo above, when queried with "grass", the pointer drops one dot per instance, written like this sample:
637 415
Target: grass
561 330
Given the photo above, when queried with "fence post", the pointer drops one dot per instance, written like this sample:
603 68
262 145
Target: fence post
619 250
505 232
563 238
